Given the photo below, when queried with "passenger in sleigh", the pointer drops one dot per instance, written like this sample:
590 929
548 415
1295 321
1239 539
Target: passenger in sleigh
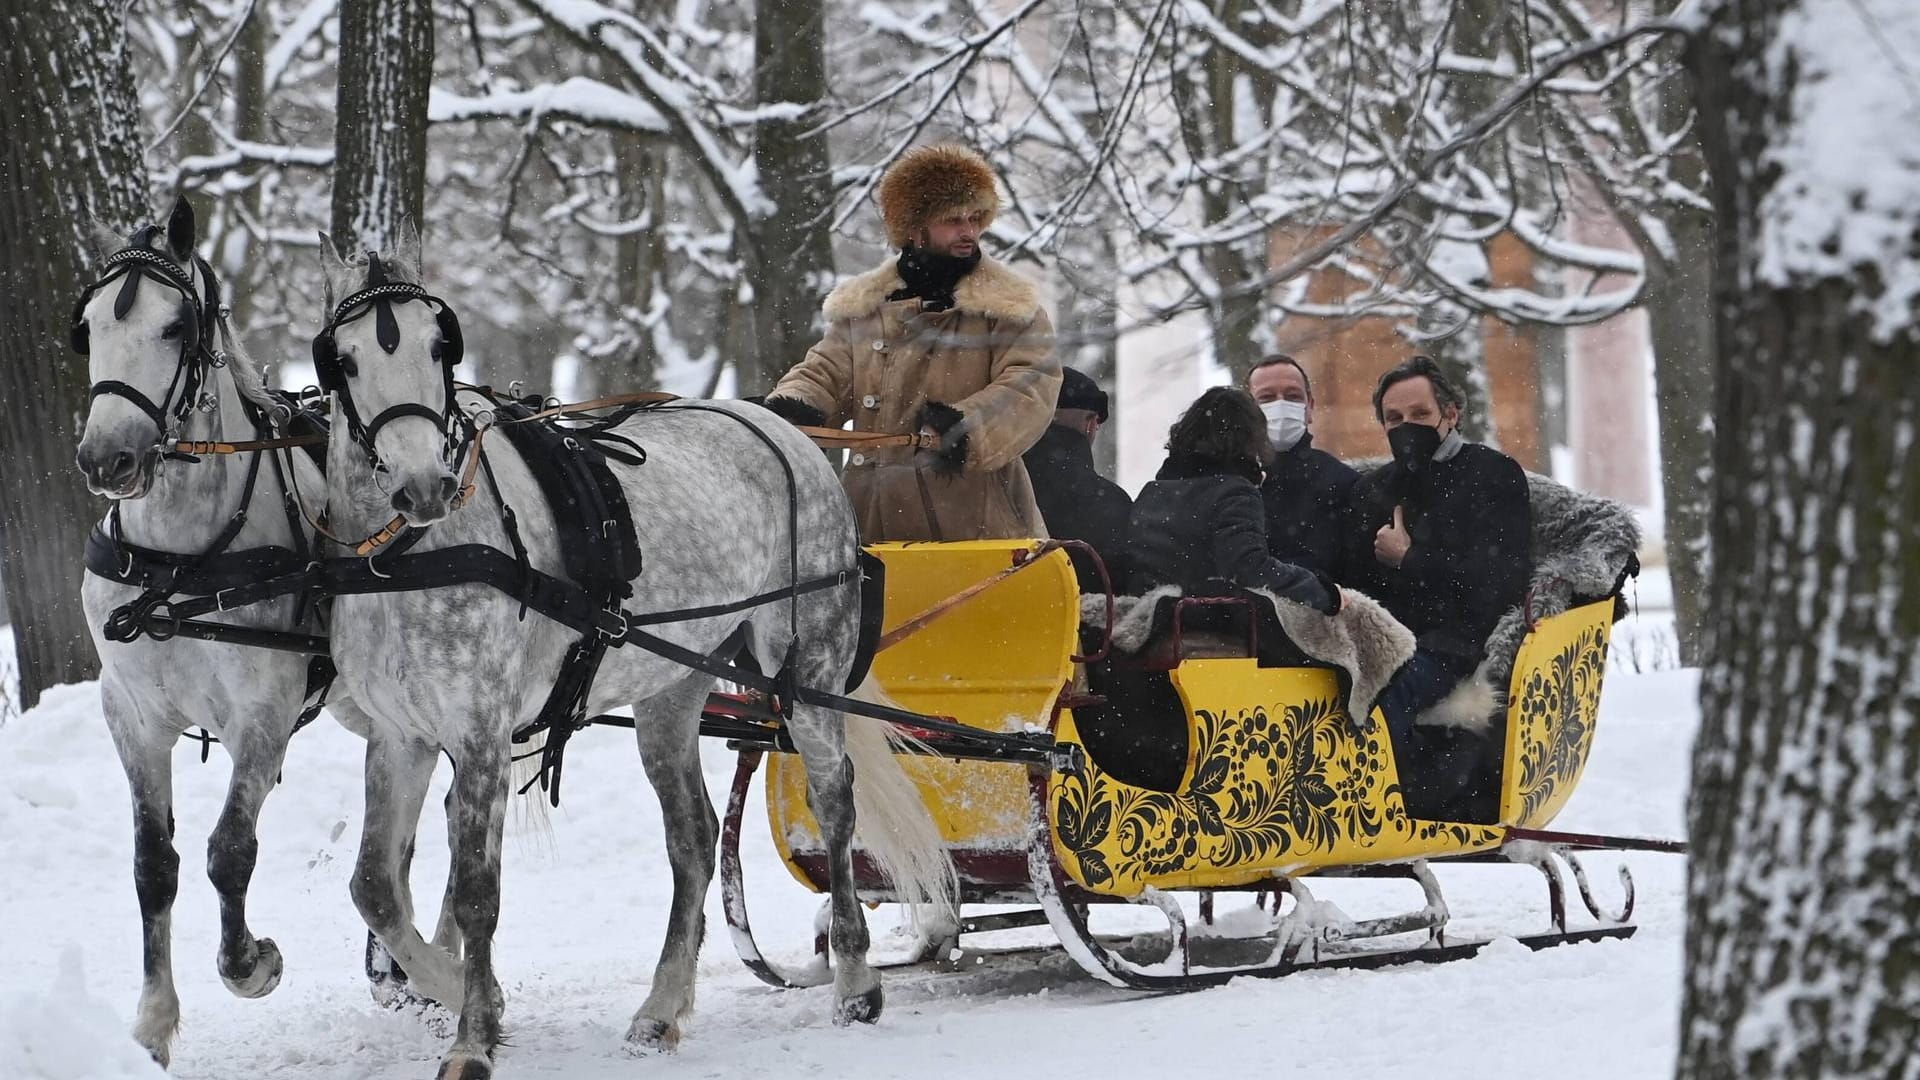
1445 542
1199 530
1201 519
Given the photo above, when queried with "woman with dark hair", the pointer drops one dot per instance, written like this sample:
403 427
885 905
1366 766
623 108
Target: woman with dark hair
1202 519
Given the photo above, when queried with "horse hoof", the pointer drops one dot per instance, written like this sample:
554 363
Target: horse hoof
863 1007
649 1035
465 1067
267 969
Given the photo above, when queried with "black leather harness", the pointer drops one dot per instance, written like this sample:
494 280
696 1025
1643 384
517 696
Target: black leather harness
214 574
586 502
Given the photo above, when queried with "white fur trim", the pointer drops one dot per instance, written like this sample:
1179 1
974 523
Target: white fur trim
1471 706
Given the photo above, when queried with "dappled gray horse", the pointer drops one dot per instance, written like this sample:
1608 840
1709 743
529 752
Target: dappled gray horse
159 375
456 669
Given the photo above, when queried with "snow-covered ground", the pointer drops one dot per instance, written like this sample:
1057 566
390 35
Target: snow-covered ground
585 909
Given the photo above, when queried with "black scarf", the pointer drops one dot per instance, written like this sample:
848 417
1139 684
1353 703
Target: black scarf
931 276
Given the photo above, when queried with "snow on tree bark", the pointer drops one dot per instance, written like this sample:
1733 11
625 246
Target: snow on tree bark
1804 888
789 261
380 133
1680 325
68 119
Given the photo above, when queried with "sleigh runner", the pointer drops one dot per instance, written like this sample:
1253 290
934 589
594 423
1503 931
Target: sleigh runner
1279 785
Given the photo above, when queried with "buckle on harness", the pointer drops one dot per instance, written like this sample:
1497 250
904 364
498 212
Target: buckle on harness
616 631
220 599
162 622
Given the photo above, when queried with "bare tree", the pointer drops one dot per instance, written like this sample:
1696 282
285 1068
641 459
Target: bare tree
380 143
69 102
1804 884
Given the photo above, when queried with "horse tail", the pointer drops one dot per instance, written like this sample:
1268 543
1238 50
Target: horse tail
891 819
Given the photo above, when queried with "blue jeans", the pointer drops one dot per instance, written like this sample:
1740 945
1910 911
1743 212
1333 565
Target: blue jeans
1446 774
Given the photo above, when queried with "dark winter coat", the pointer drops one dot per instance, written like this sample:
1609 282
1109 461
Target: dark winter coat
1201 520
1472 556
1077 503
1309 498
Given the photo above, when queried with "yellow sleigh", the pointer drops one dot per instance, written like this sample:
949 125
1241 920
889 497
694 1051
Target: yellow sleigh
1279 785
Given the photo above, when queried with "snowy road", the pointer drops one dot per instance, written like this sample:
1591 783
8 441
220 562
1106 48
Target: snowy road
585 907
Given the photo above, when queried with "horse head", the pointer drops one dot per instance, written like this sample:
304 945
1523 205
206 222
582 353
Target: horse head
387 354
144 327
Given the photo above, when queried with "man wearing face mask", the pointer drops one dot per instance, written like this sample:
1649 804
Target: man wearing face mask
1308 492
1449 527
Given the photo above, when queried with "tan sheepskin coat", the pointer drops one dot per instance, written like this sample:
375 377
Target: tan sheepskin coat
881 363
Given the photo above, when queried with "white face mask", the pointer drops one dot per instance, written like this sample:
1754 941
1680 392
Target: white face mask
1286 422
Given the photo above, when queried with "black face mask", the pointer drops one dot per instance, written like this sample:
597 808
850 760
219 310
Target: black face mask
1413 445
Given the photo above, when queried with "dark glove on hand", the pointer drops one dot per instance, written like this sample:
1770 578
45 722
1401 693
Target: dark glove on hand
798 413
944 420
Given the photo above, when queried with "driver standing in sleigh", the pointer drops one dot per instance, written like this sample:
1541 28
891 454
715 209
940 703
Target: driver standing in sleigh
941 340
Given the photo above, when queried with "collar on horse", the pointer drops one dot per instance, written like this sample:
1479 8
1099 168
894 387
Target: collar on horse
203 316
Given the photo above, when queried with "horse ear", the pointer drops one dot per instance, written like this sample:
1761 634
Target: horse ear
180 231
405 254
334 271
104 239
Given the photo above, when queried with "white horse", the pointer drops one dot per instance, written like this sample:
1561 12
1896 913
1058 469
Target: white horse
456 669
159 377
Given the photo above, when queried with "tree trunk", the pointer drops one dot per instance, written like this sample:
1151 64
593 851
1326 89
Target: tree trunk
233 246
1462 357
1679 318
380 126
1478 32
641 256
1804 881
789 261
69 101
1237 313
1086 332
1680 322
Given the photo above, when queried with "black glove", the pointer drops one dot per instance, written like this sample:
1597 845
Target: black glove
944 420
793 411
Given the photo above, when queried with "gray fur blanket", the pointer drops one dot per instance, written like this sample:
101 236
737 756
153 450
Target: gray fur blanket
1365 641
1581 543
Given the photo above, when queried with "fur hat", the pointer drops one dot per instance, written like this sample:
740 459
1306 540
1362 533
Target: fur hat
931 180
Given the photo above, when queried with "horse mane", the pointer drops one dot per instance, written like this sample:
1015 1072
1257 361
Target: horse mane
247 377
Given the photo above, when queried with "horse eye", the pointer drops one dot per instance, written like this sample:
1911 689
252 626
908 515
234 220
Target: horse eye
174 329
434 350
348 367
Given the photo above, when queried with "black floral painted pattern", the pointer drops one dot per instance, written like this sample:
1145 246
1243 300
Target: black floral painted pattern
1269 787
1557 711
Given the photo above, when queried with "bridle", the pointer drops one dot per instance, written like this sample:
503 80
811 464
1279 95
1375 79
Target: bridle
461 435
200 315
332 369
